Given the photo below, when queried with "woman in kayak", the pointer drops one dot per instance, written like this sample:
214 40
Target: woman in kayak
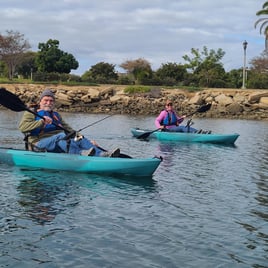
48 131
168 120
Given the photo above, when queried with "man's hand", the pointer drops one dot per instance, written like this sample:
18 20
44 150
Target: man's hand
47 120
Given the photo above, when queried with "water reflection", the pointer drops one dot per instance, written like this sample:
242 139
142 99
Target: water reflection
39 200
36 201
45 194
169 152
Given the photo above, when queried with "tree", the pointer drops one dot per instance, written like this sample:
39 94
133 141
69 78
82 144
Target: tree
264 23
101 73
206 66
3 69
171 71
211 75
12 47
139 68
205 57
51 59
260 64
27 66
234 78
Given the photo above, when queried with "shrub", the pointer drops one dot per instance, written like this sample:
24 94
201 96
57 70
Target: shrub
137 89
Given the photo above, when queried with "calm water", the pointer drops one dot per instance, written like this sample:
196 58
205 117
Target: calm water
206 205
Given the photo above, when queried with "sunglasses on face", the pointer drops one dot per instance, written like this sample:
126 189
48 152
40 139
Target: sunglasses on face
169 104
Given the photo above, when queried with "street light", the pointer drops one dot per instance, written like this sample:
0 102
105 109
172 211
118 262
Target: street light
245 43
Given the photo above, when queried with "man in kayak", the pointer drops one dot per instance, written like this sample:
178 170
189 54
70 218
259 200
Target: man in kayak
169 120
49 132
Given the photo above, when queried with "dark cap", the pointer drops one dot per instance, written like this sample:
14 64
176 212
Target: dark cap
47 92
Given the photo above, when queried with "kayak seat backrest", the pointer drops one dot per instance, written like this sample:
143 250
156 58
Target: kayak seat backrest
29 146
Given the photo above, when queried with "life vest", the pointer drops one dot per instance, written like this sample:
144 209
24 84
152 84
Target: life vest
49 127
170 119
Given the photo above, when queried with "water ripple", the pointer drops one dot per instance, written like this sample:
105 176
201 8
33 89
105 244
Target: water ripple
206 205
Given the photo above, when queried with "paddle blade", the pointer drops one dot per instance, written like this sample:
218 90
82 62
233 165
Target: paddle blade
144 135
147 134
204 108
11 101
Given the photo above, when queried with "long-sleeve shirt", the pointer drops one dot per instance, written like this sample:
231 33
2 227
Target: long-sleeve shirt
162 116
28 123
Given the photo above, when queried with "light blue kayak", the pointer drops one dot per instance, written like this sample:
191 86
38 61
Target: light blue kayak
187 137
138 167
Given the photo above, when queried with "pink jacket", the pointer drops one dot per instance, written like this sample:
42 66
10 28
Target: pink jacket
162 116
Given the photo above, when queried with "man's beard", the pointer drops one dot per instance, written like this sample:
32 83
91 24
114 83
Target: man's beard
47 108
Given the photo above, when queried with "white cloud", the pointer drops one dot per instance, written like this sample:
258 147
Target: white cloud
159 31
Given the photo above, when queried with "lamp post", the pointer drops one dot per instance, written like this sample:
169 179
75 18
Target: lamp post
245 43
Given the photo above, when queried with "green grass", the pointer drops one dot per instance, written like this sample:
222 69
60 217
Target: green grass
137 89
129 89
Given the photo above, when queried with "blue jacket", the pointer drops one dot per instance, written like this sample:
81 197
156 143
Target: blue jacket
50 127
170 120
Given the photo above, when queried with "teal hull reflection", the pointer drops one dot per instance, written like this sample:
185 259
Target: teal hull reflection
137 167
188 137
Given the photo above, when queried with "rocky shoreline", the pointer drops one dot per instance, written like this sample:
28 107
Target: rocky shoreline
111 99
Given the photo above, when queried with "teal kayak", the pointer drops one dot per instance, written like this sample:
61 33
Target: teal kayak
138 167
187 137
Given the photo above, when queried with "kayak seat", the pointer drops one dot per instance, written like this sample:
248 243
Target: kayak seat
29 146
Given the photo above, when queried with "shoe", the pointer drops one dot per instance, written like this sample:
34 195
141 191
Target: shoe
114 153
209 132
89 152
199 131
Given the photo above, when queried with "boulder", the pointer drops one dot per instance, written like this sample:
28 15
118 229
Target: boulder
255 97
197 99
224 100
234 108
264 100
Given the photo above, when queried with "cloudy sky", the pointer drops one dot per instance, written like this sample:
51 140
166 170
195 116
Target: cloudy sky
159 31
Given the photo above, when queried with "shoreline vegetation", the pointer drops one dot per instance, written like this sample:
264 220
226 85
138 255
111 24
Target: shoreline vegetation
138 100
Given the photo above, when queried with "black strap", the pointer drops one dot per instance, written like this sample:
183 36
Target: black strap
26 141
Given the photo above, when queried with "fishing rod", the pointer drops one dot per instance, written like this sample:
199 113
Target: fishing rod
94 123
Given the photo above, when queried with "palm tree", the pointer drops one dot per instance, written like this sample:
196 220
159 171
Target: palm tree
264 23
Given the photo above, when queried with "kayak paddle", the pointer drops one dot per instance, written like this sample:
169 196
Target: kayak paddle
201 109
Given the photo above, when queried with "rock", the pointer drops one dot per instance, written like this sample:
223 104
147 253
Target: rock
234 108
197 99
86 98
264 100
255 97
93 93
226 103
224 100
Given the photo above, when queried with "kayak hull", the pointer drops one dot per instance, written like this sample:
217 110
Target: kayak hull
188 137
138 167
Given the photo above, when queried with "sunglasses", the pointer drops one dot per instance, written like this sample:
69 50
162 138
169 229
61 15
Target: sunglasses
169 104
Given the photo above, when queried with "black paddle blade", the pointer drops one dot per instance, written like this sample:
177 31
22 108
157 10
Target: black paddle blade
144 135
204 108
11 101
